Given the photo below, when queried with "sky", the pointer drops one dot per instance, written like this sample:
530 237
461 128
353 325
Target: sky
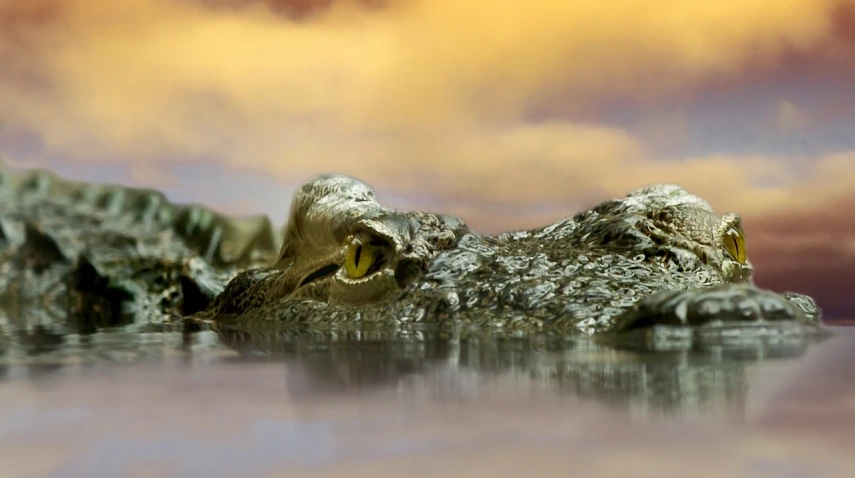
508 114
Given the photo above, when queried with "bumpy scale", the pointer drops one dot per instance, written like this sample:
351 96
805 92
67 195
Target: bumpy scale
659 256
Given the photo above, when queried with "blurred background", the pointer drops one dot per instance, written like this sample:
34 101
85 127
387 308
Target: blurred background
509 114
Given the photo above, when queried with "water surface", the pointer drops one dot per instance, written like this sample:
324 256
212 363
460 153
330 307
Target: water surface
185 402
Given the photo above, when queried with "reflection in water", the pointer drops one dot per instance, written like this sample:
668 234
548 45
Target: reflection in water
410 403
676 384
429 363
35 347
247 418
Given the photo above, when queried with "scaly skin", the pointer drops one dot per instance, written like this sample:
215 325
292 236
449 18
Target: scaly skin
628 266
90 255
657 257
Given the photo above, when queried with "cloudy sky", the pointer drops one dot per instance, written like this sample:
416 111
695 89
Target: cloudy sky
510 114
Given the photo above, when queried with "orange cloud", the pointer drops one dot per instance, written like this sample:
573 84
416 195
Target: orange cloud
143 79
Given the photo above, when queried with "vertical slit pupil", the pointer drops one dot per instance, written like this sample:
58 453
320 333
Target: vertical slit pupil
357 256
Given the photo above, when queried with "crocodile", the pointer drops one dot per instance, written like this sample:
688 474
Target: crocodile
658 259
660 256
91 255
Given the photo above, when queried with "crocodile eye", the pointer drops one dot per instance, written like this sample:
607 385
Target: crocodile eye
361 257
734 242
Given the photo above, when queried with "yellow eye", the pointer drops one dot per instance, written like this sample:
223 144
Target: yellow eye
360 258
734 242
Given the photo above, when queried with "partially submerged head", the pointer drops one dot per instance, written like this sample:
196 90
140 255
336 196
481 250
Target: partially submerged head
342 246
667 222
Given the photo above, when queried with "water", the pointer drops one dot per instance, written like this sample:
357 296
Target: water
178 401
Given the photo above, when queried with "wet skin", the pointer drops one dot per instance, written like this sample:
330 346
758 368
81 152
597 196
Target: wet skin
659 258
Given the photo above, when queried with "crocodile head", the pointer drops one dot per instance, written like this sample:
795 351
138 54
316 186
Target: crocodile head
342 246
659 255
